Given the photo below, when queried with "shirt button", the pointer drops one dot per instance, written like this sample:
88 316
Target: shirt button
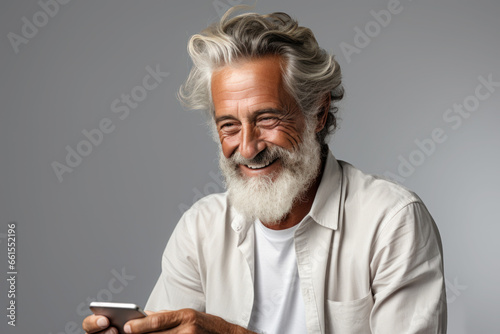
238 228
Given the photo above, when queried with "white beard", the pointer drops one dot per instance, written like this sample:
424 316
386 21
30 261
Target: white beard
270 198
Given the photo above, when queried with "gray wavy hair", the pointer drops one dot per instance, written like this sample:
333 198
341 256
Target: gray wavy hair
311 75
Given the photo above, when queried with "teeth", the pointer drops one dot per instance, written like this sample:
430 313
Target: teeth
260 166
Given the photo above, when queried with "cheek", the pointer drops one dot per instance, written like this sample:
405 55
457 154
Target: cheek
285 136
228 144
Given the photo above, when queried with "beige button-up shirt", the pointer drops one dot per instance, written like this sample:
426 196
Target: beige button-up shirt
369 258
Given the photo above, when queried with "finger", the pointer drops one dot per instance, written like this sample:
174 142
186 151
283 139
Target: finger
95 323
110 330
152 323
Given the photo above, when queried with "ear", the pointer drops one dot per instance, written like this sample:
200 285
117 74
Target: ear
323 114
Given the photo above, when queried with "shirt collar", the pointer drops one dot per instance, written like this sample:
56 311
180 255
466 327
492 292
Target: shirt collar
326 207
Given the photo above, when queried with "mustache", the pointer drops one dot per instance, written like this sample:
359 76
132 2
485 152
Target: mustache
265 156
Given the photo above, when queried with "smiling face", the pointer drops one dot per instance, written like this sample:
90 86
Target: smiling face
270 156
253 112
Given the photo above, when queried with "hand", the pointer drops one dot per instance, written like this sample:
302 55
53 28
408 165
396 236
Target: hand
98 324
185 321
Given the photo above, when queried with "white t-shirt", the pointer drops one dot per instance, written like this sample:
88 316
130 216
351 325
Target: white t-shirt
278 304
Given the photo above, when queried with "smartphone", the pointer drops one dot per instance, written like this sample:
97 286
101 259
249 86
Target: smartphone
117 313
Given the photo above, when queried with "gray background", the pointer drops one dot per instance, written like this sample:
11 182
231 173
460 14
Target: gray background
116 210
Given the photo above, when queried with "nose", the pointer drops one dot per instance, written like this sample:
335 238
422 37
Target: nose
250 143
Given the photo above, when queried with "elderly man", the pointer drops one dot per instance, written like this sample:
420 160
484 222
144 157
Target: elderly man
300 242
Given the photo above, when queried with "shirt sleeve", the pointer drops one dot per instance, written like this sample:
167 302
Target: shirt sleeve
407 275
179 285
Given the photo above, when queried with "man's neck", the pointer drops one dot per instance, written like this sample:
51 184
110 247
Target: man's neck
301 208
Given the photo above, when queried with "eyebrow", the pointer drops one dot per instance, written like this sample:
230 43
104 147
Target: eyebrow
254 114
224 118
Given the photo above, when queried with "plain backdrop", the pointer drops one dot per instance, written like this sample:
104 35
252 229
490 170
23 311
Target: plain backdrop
99 231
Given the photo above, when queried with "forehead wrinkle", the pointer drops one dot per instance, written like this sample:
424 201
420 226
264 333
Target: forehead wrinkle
252 102
228 92
230 76
239 76
246 94
242 88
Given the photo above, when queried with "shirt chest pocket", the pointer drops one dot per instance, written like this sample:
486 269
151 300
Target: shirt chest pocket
350 317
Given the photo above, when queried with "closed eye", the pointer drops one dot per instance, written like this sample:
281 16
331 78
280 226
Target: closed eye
229 128
268 121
